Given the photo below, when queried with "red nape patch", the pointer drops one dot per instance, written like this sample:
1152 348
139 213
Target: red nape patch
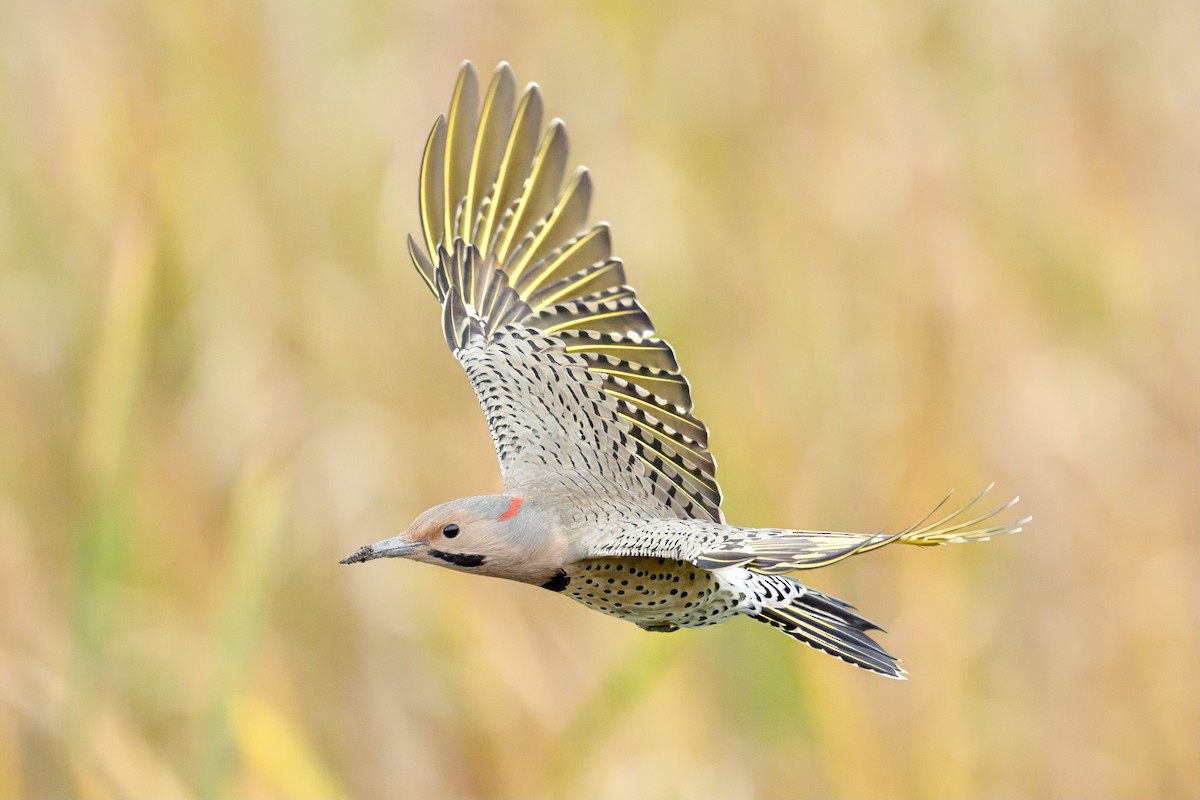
513 508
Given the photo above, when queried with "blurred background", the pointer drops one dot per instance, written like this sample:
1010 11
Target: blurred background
900 248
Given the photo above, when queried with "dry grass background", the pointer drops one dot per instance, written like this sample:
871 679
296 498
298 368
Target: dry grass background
899 247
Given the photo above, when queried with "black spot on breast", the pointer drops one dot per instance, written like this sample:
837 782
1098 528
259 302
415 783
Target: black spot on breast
559 582
461 559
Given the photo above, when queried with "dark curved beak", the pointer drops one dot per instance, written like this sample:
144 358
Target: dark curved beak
396 547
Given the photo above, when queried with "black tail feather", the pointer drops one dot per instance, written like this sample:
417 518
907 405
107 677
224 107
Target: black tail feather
833 627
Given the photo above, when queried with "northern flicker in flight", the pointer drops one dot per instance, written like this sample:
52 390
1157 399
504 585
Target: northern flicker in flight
610 494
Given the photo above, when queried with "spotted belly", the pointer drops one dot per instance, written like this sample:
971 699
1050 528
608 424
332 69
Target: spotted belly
658 594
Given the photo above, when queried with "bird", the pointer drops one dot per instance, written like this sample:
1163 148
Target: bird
609 489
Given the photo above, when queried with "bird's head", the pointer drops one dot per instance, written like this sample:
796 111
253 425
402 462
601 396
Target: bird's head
498 535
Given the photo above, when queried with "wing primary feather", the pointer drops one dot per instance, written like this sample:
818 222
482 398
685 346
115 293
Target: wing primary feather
495 121
432 197
592 247
514 166
460 138
545 177
568 215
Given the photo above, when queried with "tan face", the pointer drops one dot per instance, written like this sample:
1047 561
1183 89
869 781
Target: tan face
495 535
455 536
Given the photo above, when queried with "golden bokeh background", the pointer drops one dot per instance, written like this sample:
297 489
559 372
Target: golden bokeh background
899 248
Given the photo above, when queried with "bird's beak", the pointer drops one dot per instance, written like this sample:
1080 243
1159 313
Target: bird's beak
396 547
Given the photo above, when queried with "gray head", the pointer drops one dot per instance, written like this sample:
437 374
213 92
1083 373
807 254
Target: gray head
498 535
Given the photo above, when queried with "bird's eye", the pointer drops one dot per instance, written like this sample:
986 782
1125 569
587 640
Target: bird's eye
450 531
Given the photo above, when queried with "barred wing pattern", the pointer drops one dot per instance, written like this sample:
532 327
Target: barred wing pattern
581 397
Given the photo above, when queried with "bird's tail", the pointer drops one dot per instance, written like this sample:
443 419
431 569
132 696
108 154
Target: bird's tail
832 626
776 551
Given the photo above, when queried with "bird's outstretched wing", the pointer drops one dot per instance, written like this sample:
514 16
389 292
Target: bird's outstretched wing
584 403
